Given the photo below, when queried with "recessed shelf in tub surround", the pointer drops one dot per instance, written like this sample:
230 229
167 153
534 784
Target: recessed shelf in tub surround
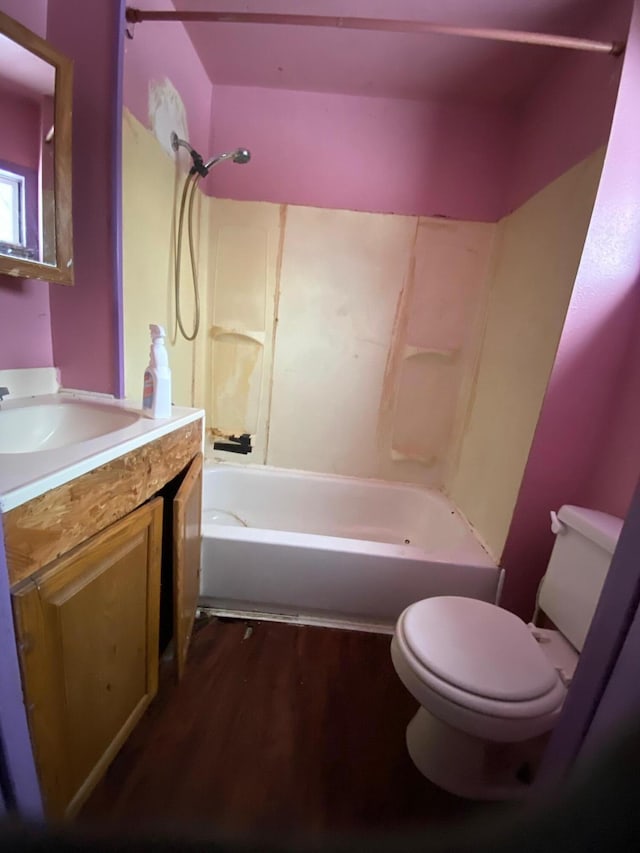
257 337
26 475
238 358
428 352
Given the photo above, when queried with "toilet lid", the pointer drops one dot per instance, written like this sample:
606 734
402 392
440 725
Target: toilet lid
478 647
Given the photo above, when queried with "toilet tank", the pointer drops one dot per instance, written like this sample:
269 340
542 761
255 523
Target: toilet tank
577 568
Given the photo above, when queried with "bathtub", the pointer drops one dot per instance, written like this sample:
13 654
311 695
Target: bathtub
332 550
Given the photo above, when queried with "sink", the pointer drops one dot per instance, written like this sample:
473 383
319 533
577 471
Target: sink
48 426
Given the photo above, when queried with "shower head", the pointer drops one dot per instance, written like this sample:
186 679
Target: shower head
240 155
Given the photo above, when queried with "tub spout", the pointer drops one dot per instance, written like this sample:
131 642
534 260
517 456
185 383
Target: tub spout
235 444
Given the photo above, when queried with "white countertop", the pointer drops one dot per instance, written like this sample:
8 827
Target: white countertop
24 476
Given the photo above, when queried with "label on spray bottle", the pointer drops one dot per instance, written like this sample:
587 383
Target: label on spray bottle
147 391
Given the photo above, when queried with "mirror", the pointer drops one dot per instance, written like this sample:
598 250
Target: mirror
35 157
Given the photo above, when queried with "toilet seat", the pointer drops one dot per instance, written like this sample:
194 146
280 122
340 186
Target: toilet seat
456 632
478 648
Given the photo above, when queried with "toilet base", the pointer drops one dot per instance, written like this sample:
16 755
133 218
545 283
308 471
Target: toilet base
468 766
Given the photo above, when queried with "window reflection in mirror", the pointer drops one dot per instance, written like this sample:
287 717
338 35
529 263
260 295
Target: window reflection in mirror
27 222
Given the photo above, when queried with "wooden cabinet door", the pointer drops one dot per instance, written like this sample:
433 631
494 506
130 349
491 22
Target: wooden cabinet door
87 629
187 540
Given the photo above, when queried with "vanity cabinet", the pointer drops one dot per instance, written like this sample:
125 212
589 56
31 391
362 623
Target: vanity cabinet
187 541
85 564
87 630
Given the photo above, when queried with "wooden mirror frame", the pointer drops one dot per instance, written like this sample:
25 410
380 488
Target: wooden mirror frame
62 272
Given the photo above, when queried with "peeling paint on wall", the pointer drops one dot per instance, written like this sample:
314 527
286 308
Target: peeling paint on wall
167 113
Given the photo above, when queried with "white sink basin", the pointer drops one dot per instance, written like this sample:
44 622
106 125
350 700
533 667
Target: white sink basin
47 426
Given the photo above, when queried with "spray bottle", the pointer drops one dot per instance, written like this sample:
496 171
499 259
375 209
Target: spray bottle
156 396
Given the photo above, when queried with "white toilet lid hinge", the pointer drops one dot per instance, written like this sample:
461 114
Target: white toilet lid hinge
565 678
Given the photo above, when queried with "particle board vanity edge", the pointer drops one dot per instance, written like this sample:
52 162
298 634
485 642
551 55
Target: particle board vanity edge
45 528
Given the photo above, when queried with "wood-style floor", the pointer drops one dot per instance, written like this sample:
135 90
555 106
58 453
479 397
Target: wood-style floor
275 729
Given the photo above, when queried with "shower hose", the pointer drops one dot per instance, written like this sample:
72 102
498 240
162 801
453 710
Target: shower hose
190 184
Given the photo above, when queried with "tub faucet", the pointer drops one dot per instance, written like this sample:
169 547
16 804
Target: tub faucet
235 444
3 393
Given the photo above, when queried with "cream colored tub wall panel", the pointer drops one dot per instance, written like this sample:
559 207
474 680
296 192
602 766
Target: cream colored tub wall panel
151 188
244 266
441 342
343 274
537 252
377 329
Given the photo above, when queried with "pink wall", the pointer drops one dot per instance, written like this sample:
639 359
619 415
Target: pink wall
158 51
573 458
569 114
30 13
25 333
84 318
615 471
19 143
372 154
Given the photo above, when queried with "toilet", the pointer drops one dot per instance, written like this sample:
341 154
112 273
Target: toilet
491 686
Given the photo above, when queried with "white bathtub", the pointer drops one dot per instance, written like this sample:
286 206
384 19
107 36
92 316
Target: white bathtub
332 549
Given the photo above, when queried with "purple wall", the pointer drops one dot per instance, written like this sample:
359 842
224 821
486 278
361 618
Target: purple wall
85 318
25 323
30 13
20 142
574 435
358 153
613 478
619 705
568 116
14 734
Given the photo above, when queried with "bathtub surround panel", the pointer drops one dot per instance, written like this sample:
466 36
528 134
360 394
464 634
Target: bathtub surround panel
436 355
376 328
245 256
350 551
152 187
538 250
343 275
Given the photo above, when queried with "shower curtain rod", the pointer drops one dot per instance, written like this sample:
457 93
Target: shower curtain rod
136 16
